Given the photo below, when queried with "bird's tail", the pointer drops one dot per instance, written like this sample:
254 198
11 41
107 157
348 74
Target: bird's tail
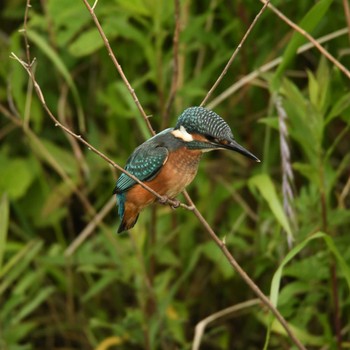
127 212
128 222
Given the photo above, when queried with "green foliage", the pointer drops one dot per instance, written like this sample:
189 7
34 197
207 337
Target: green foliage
148 289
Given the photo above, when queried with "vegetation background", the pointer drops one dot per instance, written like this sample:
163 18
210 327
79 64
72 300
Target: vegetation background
150 288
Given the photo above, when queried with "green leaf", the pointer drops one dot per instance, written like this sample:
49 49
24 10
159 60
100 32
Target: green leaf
60 66
57 197
61 156
212 252
270 121
308 23
14 334
339 106
69 18
267 189
4 220
87 43
18 263
309 171
323 79
98 286
135 7
16 176
35 302
303 335
313 88
276 280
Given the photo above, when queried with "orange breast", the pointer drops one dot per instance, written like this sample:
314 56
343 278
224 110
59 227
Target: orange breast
177 173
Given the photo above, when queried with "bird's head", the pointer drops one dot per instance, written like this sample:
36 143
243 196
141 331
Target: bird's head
204 130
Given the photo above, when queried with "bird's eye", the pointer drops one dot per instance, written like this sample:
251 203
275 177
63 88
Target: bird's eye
212 139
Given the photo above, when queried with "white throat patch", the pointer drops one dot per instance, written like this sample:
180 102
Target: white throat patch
182 134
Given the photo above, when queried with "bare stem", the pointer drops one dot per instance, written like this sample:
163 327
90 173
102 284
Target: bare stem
82 140
25 21
234 54
221 244
268 66
308 37
347 14
118 66
89 229
228 312
175 77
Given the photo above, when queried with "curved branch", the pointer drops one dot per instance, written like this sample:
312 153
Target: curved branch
217 82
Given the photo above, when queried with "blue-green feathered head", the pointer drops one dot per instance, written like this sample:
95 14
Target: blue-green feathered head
204 122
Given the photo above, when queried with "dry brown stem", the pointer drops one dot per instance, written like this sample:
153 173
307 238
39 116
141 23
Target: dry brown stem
309 37
223 73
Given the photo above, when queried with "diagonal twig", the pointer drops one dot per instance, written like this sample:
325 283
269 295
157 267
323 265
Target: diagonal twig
117 65
233 262
217 82
347 14
228 312
309 37
269 65
40 95
175 76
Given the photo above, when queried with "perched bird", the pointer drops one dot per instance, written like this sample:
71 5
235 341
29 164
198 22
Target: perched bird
168 161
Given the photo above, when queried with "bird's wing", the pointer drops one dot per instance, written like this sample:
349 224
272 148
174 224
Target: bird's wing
144 163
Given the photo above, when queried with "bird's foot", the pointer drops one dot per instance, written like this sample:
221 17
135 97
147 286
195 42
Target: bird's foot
174 203
163 200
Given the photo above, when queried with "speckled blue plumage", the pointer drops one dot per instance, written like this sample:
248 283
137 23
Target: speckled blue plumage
121 203
144 163
202 121
147 159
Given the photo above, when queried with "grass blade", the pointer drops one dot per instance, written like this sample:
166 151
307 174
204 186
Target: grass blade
4 220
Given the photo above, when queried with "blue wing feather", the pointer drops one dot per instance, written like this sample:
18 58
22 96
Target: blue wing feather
144 163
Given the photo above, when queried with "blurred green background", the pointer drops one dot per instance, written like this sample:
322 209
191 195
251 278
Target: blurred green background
148 289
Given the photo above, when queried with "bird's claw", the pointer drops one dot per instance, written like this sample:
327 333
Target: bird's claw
174 203
163 200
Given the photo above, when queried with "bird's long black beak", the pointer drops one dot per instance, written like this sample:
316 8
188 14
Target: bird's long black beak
235 146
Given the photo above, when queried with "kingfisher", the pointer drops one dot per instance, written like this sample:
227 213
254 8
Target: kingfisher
168 162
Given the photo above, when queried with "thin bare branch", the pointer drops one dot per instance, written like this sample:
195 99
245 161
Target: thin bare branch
228 312
347 14
221 244
268 66
82 140
94 5
234 54
25 21
207 28
344 193
300 30
118 66
174 82
90 227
